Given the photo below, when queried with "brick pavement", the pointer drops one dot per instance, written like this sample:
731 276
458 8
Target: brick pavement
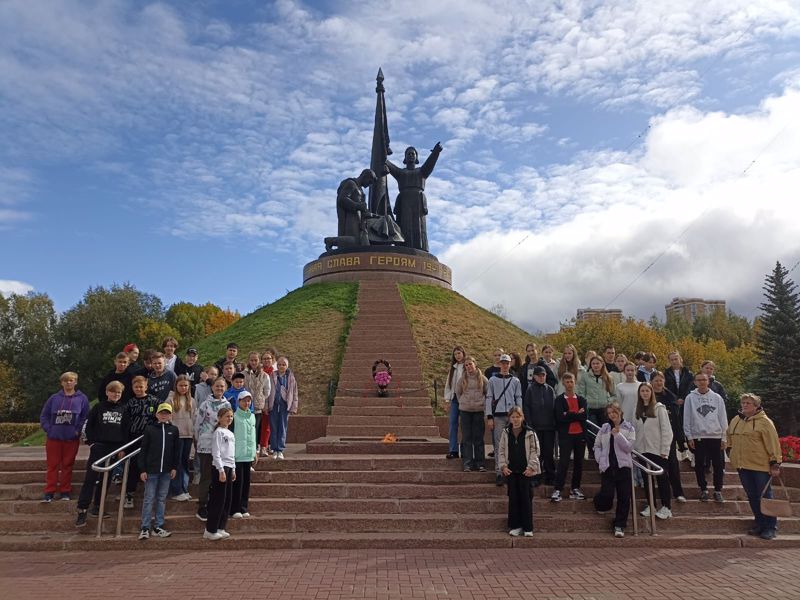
562 574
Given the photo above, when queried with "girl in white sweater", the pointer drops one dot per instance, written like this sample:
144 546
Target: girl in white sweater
653 439
220 494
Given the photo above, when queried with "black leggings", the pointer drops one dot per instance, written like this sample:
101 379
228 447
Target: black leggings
520 503
219 500
575 444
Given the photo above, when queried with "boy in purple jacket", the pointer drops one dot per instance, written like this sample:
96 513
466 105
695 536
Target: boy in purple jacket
62 419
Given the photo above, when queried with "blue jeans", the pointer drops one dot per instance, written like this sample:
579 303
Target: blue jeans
278 423
753 483
180 485
155 491
454 412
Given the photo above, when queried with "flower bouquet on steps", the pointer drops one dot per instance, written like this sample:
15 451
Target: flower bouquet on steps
382 376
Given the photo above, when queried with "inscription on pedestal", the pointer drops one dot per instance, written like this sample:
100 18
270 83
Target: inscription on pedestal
370 262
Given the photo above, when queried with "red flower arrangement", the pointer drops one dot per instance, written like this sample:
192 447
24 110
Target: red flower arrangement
382 375
790 448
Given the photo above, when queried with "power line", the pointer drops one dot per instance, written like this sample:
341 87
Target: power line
494 262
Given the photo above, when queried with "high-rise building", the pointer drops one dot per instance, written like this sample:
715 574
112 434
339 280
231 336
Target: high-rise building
588 314
691 308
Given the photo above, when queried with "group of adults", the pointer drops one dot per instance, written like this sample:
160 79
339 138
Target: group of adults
628 414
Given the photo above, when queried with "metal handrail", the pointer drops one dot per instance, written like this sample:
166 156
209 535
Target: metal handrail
105 469
639 459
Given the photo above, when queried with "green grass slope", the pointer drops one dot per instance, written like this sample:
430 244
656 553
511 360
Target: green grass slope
441 319
309 325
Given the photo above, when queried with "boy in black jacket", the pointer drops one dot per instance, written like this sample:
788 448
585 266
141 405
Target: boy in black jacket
104 435
140 411
158 463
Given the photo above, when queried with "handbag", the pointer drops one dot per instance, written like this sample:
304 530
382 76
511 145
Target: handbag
772 507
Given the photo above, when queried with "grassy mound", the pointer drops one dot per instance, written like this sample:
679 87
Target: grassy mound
441 319
309 325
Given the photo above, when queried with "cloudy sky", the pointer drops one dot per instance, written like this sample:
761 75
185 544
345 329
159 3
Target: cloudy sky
194 148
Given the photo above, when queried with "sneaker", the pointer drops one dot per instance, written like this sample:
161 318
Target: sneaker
252 469
207 535
516 532
704 496
664 513
450 455
528 534
81 520
236 515
619 532
264 452
64 498
116 479
718 497
245 515
128 502
279 455
681 499
646 511
223 533
768 534
274 455
481 469
202 514
576 494
161 532
144 534
467 469
498 480
47 498
555 496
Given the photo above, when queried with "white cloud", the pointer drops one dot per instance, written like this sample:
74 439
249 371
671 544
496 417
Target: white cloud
9 286
611 215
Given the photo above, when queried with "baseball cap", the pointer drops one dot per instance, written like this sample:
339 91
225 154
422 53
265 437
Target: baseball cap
539 370
164 406
505 358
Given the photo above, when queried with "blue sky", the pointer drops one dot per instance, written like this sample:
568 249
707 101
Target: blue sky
194 148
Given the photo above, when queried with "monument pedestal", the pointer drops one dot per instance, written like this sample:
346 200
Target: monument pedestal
378 263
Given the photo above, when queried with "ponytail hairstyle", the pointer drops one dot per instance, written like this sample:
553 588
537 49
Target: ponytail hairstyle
220 413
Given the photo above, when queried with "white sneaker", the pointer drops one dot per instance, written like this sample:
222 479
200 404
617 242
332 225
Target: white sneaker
236 515
664 513
619 532
207 535
528 534
516 532
681 499
274 455
264 452
252 469
646 511
279 455
223 533
245 515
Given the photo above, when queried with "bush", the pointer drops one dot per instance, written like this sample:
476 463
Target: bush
11 433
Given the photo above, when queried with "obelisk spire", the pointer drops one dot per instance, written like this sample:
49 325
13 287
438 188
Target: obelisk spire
378 191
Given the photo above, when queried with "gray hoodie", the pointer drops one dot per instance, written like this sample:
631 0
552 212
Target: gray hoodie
704 416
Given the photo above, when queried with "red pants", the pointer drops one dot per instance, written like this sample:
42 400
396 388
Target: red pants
60 458
263 435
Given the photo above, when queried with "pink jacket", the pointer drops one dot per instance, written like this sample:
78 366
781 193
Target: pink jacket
288 393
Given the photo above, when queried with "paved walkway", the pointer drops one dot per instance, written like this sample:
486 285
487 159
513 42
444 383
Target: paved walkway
562 574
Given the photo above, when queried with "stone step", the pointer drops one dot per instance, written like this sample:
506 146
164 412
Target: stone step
382 411
370 357
378 431
382 421
371 400
496 504
399 523
365 384
350 445
85 541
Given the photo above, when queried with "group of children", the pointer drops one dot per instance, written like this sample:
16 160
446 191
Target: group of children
548 402
159 412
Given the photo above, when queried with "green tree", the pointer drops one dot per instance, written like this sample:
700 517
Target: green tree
778 349
151 334
93 331
194 322
28 348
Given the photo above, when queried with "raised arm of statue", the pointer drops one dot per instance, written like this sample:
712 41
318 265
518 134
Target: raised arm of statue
430 162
